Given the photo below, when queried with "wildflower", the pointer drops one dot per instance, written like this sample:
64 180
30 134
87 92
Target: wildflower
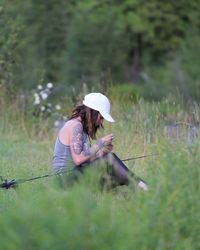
58 107
36 95
49 85
37 99
43 108
49 105
56 123
44 95
36 102
39 87
64 118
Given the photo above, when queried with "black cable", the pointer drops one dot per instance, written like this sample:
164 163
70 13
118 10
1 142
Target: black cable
139 157
13 183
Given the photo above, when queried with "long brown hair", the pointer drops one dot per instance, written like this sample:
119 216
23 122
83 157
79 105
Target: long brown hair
88 119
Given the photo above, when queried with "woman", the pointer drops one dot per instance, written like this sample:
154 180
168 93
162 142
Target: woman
72 148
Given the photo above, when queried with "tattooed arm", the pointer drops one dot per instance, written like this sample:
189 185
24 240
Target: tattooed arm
81 152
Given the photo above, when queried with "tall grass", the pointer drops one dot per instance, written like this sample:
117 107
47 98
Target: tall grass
40 215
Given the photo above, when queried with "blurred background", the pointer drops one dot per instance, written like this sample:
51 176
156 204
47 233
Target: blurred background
143 54
150 48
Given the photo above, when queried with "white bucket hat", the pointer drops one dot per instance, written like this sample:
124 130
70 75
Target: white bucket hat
99 102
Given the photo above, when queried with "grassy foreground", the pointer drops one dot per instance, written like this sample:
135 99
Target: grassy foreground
40 215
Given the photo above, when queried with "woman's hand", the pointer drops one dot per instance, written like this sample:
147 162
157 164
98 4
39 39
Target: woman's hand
107 140
105 150
107 145
108 148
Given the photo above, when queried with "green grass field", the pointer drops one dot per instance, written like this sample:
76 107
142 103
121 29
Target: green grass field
40 215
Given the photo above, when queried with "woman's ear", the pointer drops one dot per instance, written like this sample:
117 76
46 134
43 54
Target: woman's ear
100 119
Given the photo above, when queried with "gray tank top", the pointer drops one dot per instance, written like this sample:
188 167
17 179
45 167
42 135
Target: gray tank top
62 158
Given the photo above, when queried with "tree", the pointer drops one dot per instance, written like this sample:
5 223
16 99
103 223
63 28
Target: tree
155 28
118 35
10 33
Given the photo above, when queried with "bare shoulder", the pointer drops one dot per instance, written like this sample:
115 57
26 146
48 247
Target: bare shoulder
75 124
71 127
76 128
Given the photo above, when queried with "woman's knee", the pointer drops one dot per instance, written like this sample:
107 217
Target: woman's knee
109 158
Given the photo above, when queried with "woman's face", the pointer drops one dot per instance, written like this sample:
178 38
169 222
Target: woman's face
99 121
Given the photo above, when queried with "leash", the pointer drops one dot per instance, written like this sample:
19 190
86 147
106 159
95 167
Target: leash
7 184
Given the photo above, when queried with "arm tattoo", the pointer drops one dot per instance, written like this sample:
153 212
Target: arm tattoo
86 147
77 139
80 142
100 144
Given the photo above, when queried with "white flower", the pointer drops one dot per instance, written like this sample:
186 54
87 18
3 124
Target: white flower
58 107
48 110
43 108
56 123
36 102
44 95
49 105
49 85
37 99
39 87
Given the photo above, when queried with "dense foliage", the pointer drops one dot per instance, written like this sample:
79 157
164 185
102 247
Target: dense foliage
152 43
